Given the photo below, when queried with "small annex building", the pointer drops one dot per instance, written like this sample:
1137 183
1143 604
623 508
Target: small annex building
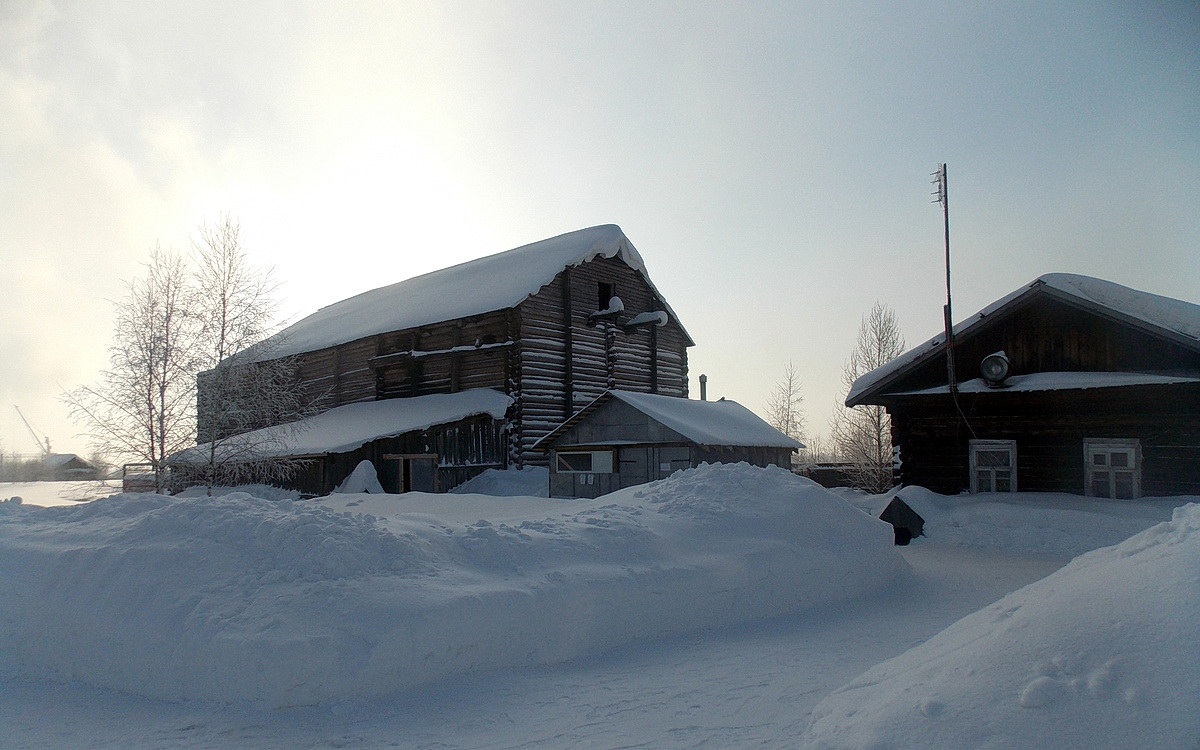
1068 384
624 438
543 328
422 444
67 467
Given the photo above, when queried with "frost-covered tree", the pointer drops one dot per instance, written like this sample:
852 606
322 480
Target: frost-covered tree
237 307
784 405
862 435
237 312
143 409
179 320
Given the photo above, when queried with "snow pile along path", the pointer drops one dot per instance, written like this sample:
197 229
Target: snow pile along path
236 598
1101 654
1042 524
531 481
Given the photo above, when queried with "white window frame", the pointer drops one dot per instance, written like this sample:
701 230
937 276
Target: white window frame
601 462
978 446
1094 448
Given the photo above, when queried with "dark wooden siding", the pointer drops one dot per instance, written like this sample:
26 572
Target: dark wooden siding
464 450
1049 429
1048 335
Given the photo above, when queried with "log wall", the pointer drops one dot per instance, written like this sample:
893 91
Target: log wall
568 356
1049 429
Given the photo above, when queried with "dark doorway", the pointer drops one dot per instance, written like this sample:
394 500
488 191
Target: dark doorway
409 473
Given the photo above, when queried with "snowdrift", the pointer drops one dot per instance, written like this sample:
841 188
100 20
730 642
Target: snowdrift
1101 654
1041 524
283 602
531 481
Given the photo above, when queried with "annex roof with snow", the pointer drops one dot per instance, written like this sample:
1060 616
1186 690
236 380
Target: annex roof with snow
493 282
709 423
624 438
1069 383
347 428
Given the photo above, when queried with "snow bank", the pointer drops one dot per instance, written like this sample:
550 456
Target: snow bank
1101 654
1043 524
531 481
237 598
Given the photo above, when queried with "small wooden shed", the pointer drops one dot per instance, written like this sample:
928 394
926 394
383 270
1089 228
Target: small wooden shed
623 438
63 467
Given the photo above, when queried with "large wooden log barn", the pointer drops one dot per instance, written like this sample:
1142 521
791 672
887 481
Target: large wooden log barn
439 377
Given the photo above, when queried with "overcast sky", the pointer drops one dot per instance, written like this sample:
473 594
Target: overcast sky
770 160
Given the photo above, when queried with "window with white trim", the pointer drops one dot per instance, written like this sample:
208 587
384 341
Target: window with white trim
993 465
584 462
1112 467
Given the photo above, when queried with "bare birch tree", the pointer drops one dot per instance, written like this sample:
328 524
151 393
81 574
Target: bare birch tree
245 404
237 299
185 322
143 408
784 405
863 434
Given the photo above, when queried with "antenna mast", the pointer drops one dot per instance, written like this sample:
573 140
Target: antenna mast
942 195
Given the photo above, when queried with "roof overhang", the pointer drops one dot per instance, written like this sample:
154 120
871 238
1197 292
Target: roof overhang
349 427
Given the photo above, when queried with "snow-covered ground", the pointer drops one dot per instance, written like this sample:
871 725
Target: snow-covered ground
719 608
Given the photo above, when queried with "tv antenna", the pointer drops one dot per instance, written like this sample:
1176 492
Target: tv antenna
942 195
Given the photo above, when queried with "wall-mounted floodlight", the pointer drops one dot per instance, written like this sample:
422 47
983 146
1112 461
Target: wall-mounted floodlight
994 369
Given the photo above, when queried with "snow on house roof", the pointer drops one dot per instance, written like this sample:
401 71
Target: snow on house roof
345 428
702 422
1056 381
1175 318
494 282
56 460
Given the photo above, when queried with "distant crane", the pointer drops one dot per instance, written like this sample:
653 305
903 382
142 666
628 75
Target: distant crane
45 449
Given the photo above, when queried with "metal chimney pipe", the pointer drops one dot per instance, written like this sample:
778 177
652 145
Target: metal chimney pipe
703 387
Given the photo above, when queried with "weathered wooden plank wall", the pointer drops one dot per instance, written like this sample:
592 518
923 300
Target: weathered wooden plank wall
1048 335
465 449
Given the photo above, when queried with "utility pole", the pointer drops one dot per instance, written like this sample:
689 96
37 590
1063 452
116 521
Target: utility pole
942 195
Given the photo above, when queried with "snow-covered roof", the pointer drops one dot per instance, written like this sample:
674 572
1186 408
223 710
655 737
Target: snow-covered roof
1057 381
494 282
348 427
56 460
1176 319
702 422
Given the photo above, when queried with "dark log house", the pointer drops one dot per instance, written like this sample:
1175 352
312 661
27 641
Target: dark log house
1084 386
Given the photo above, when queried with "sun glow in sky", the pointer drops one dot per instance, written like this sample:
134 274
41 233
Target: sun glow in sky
770 160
